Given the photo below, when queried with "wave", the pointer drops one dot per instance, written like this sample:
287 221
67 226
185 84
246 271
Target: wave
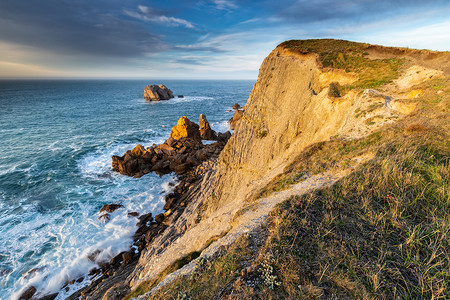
59 243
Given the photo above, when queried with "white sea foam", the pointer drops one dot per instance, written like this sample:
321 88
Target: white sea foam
220 126
177 101
75 233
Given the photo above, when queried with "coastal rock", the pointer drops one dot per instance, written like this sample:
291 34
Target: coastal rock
224 137
236 117
159 218
185 128
206 133
236 106
144 219
28 294
181 152
104 218
138 151
48 297
157 93
110 208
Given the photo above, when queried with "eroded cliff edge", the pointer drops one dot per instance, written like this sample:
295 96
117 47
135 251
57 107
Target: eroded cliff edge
292 106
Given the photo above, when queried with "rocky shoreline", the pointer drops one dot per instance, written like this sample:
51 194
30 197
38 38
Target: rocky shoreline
183 153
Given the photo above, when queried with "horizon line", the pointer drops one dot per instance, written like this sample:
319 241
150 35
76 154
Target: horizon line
116 78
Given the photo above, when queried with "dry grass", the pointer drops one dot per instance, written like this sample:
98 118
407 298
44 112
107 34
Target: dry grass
382 232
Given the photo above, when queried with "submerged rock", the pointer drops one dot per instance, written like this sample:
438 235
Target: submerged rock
157 93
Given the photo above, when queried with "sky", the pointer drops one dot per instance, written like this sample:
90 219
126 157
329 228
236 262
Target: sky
196 39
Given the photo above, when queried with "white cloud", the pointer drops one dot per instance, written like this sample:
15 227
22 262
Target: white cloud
147 14
224 4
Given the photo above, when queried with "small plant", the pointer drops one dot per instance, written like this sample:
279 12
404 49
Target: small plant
262 134
199 267
269 278
333 90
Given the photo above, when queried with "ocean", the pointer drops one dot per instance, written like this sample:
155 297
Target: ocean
56 142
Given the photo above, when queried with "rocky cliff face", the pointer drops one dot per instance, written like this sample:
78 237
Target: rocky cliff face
288 109
291 107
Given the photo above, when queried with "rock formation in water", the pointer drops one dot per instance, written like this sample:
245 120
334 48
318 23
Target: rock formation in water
182 151
157 93
206 133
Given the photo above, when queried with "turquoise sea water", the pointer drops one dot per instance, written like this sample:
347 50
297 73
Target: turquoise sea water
56 143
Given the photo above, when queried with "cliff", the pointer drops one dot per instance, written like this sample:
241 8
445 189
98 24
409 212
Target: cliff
320 112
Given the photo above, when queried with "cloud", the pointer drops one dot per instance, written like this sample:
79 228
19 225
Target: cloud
350 11
225 4
75 29
148 14
249 21
202 47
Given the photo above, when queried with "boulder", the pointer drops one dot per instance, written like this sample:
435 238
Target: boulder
127 257
157 93
236 106
167 149
169 203
206 133
144 219
28 294
224 137
181 169
110 207
185 128
236 117
159 218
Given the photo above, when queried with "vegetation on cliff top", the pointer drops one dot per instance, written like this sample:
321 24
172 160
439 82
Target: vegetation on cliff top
351 57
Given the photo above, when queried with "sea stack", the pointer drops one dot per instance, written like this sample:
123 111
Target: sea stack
157 93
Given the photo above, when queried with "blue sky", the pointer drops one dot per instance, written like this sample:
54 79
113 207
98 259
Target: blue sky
196 39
